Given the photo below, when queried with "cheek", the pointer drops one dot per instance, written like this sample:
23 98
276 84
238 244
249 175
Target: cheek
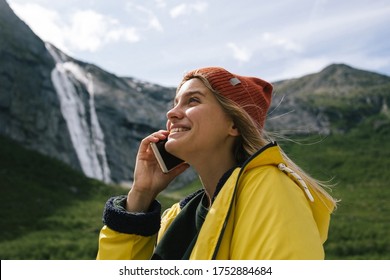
207 118
212 124
199 117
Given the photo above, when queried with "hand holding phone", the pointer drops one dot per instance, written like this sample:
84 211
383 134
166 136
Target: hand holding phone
166 160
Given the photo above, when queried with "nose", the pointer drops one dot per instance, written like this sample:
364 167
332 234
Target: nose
174 113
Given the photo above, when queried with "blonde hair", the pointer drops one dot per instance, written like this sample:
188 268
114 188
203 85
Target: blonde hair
252 138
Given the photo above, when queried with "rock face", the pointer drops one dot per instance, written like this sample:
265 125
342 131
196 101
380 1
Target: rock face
71 110
29 105
93 120
106 116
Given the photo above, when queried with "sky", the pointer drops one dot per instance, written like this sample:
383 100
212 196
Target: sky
159 40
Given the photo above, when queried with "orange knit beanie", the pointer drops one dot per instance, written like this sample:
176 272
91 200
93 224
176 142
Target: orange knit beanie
250 93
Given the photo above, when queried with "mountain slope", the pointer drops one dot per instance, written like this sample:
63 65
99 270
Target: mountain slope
334 100
48 210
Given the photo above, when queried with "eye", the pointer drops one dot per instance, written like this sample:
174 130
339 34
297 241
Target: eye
193 99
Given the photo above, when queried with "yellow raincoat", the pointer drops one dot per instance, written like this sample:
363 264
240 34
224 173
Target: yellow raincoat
260 213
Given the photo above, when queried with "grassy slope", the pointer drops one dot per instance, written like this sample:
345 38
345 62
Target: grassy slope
50 211
359 164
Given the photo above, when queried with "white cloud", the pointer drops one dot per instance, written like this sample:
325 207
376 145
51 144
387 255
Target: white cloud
155 24
84 30
240 53
187 9
267 46
144 16
90 30
47 24
273 40
160 3
129 34
179 10
200 7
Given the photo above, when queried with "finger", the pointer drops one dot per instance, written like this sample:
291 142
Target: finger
153 138
157 136
161 134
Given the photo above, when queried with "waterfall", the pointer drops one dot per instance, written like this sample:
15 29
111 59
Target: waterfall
88 142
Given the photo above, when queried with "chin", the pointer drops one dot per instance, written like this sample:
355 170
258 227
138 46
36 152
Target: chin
171 145
175 147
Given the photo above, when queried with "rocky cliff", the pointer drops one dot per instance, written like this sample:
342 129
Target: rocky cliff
29 105
71 110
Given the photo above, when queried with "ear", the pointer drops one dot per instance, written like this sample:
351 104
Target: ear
233 131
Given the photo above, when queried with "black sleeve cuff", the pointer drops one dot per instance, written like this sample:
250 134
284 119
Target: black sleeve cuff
117 218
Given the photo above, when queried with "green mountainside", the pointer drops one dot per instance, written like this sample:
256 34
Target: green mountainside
335 100
48 210
357 164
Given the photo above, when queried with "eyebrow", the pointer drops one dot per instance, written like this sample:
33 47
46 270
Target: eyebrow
189 93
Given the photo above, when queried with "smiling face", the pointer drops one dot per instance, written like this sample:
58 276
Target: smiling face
199 128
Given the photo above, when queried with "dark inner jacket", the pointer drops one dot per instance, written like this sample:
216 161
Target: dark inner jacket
181 236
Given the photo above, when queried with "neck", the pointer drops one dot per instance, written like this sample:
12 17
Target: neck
211 172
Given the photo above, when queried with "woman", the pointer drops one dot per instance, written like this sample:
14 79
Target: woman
255 202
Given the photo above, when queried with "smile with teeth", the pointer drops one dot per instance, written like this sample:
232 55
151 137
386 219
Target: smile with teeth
179 129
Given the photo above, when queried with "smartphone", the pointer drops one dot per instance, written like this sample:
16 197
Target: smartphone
166 160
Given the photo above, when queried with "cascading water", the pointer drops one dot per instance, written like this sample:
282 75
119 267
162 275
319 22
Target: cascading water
88 142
